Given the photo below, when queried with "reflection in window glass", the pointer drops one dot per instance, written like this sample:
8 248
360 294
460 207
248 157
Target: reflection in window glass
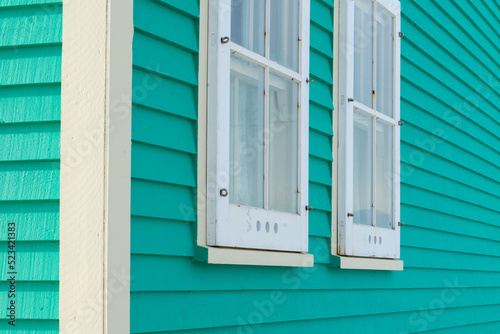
248 24
385 50
363 52
283 142
246 133
384 185
284 31
362 168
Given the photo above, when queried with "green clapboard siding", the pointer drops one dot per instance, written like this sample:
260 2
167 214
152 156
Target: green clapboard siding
450 191
30 98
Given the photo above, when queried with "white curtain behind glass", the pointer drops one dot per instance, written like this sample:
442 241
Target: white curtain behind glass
246 133
283 144
249 128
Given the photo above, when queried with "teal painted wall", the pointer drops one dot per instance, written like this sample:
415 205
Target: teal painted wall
450 188
30 62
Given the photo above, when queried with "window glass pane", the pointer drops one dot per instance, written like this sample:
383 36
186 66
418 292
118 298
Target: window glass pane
384 73
283 142
246 146
248 24
384 175
284 31
362 168
363 52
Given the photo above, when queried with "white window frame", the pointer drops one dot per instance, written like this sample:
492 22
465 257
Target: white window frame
353 239
213 209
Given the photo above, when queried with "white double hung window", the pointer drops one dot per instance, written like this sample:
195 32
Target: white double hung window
369 51
257 132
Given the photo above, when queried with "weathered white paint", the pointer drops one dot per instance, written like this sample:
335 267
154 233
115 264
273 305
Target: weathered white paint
234 225
339 212
334 241
215 254
354 239
95 167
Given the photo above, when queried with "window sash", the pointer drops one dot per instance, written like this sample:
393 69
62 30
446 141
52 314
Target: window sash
355 239
229 225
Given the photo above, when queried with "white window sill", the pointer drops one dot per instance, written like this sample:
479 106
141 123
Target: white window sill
217 255
349 262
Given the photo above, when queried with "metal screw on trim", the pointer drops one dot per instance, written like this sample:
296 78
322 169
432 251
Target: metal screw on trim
224 40
401 34
401 123
224 192
350 99
309 80
350 214
401 224
309 208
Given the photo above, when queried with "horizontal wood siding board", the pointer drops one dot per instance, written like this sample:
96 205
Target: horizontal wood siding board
30 65
451 188
30 97
40 219
45 301
163 22
449 197
320 223
161 200
33 25
320 171
155 51
155 275
320 145
424 238
295 305
423 152
159 128
446 222
320 119
379 323
42 326
190 7
161 237
34 254
161 168
322 15
40 103
156 92
448 205
4 4
33 141
478 327
29 181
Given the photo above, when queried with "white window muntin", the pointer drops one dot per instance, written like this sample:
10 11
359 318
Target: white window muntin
356 239
232 225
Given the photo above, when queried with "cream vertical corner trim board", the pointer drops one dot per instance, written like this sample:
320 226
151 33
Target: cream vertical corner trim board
95 167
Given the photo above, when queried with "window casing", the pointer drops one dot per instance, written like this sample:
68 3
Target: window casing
368 152
257 124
